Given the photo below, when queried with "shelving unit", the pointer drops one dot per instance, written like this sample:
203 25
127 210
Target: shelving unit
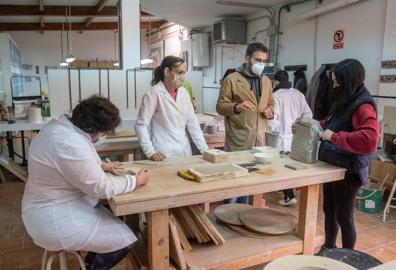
10 65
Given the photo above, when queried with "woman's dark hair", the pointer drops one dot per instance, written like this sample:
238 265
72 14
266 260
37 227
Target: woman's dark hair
170 62
350 75
254 47
96 114
281 76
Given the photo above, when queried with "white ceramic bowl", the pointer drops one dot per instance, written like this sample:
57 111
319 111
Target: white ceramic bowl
263 158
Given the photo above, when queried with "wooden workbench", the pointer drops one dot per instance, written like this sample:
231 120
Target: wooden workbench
166 190
121 147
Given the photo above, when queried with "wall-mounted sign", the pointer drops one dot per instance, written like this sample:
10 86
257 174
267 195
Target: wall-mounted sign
338 39
388 78
388 64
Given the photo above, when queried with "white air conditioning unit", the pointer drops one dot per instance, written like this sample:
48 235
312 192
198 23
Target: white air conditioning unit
229 30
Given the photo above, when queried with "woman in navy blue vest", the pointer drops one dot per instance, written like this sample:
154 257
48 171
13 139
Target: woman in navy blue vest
351 135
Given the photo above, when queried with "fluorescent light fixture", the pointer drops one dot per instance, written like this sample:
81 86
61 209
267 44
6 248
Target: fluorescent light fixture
63 64
70 59
327 8
116 64
146 61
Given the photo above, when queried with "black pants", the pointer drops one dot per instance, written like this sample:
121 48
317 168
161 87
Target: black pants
105 261
288 194
338 205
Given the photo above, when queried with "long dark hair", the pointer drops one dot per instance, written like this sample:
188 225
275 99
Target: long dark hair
350 75
170 62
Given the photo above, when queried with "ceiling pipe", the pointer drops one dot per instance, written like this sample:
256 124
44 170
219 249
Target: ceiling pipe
326 9
248 5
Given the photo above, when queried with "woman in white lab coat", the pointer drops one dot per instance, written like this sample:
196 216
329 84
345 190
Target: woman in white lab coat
290 104
66 180
166 112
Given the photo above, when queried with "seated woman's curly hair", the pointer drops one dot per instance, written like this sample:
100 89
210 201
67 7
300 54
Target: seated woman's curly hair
96 114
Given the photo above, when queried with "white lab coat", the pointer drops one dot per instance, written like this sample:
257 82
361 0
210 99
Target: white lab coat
161 124
290 104
60 204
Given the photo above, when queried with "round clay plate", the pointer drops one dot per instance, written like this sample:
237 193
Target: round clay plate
306 262
265 220
229 213
242 230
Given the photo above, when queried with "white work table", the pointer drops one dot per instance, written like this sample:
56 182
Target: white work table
20 125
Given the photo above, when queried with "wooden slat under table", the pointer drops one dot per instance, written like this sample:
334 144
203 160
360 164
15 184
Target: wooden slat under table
166 190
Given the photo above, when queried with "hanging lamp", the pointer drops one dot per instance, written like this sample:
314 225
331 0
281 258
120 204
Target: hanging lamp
149 58
63 63
70 58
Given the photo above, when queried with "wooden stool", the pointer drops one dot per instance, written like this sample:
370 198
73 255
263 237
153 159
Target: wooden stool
388 204
46 262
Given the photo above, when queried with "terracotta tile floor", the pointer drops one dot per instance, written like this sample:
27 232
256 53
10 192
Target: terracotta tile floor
18 252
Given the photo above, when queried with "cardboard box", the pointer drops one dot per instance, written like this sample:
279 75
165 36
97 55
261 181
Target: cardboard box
379 170
93 63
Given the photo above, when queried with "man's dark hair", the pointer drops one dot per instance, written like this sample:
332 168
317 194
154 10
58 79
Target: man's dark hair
96 114
254 47
281 76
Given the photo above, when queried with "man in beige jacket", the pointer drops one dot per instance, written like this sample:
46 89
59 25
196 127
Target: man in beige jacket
246 102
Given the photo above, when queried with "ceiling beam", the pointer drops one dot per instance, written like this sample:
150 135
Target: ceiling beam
57 26
4 27
101 4
81 11
153 25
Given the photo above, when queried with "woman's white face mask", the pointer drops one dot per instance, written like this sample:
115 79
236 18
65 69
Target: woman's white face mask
258 68
178 80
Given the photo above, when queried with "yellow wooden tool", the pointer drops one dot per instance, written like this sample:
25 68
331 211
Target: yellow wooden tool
186 175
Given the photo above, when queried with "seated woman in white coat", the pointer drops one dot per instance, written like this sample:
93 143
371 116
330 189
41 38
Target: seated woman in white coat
60 207
290 104
166 112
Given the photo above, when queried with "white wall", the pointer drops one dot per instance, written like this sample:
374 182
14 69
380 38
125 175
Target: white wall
44 49
364 31
389 53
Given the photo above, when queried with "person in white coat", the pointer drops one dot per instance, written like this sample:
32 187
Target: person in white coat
166 114
60 207
290 104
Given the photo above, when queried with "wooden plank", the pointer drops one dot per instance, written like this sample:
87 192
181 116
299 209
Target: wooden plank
158 239
183 224
192 224
204 229
58 26
183 238
175 248
14 168
211 230
308 210
3 178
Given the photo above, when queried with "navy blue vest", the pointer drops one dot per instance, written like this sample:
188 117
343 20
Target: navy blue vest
331 153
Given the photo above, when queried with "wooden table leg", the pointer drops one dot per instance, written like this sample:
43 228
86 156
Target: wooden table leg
158 239
125 158
257 200
3 178
307 219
